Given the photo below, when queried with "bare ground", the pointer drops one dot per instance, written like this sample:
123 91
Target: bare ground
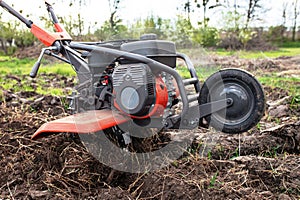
263 163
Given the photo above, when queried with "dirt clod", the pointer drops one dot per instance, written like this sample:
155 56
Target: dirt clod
280 111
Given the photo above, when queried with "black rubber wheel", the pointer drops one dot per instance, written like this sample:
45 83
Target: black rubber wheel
248 100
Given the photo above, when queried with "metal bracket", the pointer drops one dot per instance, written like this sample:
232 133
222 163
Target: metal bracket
215 106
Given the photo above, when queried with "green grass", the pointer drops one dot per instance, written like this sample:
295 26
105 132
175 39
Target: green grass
41 87
58 68
22 67
202 72
288 51
291 84
288 44
16 66
53 91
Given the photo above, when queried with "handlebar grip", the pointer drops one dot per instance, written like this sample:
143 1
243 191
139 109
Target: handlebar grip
35 69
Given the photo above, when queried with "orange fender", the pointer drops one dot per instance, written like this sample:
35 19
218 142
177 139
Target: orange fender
87 122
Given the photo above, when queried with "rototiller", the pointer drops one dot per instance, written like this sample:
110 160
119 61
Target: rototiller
134 83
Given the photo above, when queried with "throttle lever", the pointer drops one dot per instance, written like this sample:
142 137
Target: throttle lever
37 65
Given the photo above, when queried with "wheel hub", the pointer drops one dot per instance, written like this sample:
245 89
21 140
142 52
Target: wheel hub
241 105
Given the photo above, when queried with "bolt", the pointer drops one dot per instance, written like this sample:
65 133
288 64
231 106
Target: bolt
127 78
91 101
229 101
185 122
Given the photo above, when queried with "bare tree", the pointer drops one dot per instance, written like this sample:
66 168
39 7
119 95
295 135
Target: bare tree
207 4
114 7
296 13
79 2
188 9
284 17
252 9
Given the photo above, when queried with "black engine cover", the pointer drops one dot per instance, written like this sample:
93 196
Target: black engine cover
158 50
134 88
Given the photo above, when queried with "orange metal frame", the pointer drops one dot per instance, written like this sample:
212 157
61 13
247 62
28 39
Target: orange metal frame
49 38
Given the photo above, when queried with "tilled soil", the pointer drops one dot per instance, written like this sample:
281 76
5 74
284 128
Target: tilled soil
263 163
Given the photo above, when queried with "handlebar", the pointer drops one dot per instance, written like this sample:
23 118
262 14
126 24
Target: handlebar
48 38
52 14
44 36
16 14
37 65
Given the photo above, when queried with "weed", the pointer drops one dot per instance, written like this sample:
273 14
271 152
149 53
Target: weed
32 110
209 156
194 149
272 153
236 153
65 102
295 103
277 121
175 163
213 180
258 126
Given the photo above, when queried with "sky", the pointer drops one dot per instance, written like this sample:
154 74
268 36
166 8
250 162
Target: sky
98 10
130 10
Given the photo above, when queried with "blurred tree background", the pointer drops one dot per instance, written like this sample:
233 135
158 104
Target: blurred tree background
237 28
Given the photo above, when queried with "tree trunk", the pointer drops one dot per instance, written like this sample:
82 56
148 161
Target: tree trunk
204 17
296 13
284 5
253 6
249 12
187 9
3 46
